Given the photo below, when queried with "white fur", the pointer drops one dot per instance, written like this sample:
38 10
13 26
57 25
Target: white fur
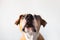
31 37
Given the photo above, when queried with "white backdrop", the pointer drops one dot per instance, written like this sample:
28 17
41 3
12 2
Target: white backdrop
11 9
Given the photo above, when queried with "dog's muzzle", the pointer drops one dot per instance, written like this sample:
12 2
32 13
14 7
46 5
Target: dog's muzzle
29 22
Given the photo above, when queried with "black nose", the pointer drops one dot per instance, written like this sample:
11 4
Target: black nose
29 17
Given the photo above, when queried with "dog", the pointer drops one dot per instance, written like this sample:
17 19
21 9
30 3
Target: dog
30 25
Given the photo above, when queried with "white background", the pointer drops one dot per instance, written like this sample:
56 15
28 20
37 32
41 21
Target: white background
11 9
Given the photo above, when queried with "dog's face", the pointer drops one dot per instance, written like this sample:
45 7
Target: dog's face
30 23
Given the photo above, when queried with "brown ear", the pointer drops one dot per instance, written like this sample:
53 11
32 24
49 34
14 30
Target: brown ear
18 21
43 22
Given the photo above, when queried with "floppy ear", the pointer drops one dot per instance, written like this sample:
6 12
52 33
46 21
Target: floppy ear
18 21
43 22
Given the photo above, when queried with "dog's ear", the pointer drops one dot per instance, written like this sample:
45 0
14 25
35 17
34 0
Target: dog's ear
18 20
42 21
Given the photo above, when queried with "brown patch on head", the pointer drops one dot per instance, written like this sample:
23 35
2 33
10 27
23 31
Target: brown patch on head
40 21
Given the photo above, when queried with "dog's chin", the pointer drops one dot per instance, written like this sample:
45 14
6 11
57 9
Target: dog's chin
30 33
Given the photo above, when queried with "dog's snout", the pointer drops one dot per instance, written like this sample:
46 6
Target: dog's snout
29 17
30 26
29 23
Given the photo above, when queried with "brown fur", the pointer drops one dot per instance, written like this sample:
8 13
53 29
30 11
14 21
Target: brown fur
40 22
40 37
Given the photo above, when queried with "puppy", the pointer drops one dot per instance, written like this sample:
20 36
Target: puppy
30 25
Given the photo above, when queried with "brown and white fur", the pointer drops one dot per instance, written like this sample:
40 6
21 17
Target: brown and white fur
30 25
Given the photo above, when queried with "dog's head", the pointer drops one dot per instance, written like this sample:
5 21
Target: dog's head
30 23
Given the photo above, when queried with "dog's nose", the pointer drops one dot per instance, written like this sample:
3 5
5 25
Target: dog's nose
29 17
